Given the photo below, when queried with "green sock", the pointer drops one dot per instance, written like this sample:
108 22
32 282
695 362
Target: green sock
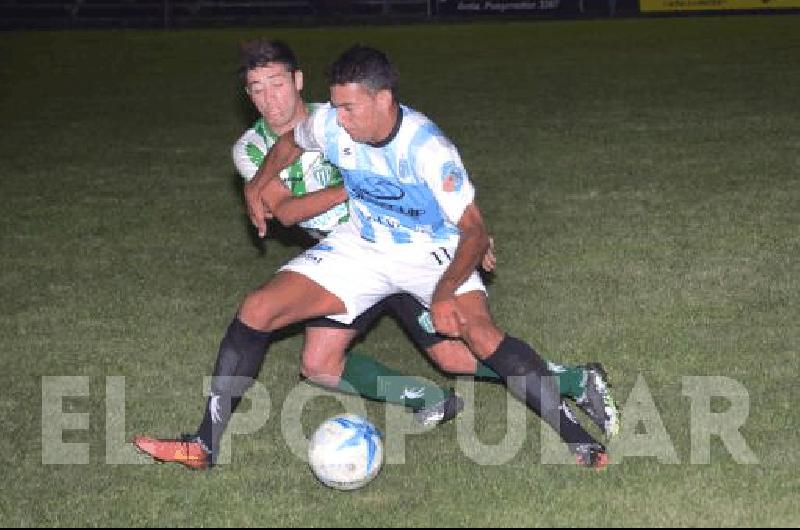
373 380
484 372
571 379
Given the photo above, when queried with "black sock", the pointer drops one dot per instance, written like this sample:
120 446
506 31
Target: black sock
532 382
239 360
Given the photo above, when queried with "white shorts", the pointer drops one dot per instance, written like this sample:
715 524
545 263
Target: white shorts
362 273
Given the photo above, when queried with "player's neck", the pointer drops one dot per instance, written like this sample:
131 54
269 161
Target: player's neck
390 128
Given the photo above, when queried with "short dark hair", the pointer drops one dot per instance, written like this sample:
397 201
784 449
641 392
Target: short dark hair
366 66
258 52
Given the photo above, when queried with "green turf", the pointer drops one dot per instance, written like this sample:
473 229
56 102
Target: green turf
641 178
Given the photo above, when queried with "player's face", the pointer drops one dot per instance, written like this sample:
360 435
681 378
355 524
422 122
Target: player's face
275 91
359 111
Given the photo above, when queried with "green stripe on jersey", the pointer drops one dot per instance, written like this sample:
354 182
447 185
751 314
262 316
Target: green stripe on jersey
295 180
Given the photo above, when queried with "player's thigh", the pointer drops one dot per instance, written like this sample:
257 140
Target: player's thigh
480 331
288 298
344 268
324 351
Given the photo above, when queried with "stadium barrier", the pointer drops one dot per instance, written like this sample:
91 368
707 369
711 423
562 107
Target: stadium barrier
179 13
653 6
23 14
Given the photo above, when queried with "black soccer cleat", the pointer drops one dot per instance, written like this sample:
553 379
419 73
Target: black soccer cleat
441 412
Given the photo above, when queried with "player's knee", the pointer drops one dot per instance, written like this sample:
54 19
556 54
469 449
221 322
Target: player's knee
483 337
319 371
314 373
257 312
308 372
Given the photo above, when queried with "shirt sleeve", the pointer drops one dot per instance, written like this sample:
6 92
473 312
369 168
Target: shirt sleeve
309 135
440 166
248 153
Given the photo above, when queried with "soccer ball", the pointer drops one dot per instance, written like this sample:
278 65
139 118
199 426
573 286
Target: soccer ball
346 452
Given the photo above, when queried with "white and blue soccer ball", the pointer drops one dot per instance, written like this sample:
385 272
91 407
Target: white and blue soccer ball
346 452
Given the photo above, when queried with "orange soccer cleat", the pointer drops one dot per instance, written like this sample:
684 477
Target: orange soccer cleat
188 451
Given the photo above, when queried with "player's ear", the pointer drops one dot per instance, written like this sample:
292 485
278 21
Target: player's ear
298 80
385 99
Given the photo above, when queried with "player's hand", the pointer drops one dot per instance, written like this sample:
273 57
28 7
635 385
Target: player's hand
489 261
257 210
268 212
447 318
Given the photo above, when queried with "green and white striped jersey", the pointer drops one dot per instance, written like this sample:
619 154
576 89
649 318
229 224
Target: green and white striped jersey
311 172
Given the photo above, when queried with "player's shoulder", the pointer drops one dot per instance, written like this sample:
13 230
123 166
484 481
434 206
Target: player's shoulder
257 134
320 116
414 118
321 113
421 133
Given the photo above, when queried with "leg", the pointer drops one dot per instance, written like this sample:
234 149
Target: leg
239 359
527 375
325 362
324 354
453 357
330 278
243 348
586 384
275 304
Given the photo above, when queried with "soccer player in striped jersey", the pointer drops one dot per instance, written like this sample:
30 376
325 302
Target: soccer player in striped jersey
273 83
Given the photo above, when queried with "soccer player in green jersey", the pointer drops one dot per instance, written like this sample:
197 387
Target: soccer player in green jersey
274 82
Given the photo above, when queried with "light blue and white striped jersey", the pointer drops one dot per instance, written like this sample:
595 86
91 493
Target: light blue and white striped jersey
411 189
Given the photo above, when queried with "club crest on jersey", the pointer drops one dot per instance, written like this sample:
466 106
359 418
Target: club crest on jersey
452 177
404 172
322 175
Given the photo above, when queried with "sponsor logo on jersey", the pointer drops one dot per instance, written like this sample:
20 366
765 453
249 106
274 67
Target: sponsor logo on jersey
376 191
380 189
387 221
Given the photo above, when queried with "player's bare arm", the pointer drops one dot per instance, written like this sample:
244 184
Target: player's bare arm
290 210
281 155
472 247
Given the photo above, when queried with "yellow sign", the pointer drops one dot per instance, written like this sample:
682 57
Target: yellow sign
715 5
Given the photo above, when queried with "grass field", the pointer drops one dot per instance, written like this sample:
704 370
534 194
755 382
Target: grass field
641 178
